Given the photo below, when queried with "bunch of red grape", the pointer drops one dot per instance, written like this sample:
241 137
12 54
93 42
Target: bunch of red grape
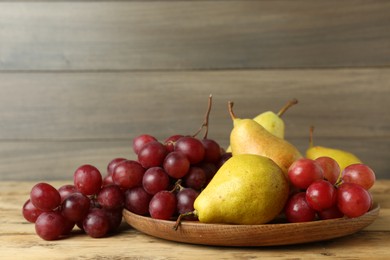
320 191
163 181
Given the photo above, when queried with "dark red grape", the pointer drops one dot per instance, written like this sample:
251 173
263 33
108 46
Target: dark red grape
114 218
304 172
212 150
112 164
141 140
66 190
353 200
137 200
30 212
163 205
50 225
75 207
185 201
87 179
330 213
96 224
111 197
152 154
196 178
128 174
321 195
45 197
176 164
223 159
298 210
170 142
210 169
192 148
155 179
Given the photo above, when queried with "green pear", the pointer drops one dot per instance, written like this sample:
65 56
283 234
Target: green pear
249 137
272 121
248 189
343 158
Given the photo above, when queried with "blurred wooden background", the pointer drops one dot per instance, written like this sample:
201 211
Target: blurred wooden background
80 79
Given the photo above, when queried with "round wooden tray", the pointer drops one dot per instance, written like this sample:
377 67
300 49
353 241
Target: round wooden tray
195 232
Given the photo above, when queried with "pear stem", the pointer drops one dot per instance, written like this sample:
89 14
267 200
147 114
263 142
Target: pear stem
181 216
287 106
230 107
206 119
311 130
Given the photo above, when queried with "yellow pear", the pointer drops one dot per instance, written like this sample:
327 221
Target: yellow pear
249 137
272 121
343 158
248 189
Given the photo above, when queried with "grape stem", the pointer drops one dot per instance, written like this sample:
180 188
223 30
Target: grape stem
311 131
287 106
206 119
181 216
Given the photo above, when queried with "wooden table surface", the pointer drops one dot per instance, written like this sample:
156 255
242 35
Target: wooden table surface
19 241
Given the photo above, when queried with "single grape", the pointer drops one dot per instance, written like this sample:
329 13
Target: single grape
96 224
152 154
75 207
330 167
137 200
321 195
66 190
191 147
128 174
114 219
170 142
298 210
112 164
196 178
141 140
163 205
111 197
176 164
360 174
210 169
212 150
304 172
87 179
353 200
330 213
45 197
107 180
185 201
30 212
50 225
223 159
155 179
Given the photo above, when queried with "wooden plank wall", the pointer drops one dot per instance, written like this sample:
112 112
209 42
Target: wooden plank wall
80 79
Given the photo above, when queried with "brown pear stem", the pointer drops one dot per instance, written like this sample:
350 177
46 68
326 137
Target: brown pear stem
311 131
206 119
230 107
180 218
287 106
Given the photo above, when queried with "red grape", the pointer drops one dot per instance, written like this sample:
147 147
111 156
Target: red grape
45 197
360 174
176 164
30 212
141 140
152 154
196 178
298 210
353 200
223 159
330 167
137 200
96 224
114 218
155 179
321 195
170 142
50 225
304 172
66 190
87 179
330 213
75 207
163 205
191 147
185 201
111 197
212 150
128 174
112 164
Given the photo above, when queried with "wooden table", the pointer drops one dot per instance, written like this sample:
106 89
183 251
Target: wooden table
19 241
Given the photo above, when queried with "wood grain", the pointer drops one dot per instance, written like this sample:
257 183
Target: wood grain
160 35
18 238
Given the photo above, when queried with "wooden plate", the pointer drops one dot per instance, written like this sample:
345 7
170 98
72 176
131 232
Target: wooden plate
250 235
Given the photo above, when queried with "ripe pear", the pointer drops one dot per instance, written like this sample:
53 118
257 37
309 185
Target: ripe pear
248 189
343 158
272 121
249 137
